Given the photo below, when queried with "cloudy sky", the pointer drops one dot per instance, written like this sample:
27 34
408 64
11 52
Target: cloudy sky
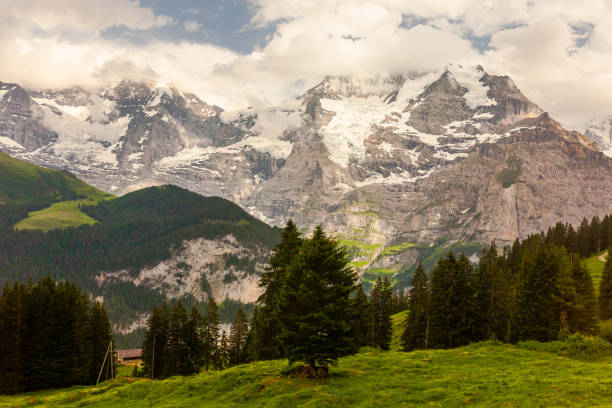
239 53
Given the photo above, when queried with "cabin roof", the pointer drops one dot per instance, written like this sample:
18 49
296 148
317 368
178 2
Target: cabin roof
129 353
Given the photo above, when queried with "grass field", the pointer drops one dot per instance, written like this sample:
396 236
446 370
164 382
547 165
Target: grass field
397 322
483 374
595 267
59 215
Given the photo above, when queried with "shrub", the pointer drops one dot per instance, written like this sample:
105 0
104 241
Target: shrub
573 346
367 349
605 331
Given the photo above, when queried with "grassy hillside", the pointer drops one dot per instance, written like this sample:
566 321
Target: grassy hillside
22 182
484 374
398 321
595 267
32 197
59 215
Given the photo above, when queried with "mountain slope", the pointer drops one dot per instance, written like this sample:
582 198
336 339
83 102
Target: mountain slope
21 182
397 166
151 245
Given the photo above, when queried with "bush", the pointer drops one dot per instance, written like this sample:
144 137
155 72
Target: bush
573 346
368 349
605 331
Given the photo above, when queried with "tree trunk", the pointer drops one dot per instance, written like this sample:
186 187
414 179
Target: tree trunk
313 368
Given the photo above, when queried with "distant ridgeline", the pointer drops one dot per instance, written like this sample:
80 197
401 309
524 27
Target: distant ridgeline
128 233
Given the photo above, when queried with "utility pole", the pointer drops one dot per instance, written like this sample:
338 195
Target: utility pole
428 312
103 362
153 364
112 360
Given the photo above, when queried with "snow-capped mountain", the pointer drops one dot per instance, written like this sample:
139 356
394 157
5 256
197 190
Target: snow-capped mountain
599 130
394 165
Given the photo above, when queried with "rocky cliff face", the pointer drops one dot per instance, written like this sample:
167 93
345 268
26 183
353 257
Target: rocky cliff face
224 269
397 166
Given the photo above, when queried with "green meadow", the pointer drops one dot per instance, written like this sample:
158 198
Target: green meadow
595 267
482 374
59 215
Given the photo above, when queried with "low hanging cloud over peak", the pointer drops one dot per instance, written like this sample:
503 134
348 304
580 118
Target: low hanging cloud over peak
257 52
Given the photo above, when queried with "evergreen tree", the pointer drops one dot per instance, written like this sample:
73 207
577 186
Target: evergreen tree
101 336
493 297
224 351
584 238
566 297
586 319
384 319
572 240
360 310
211 334
314 303
194 342
237 340
178 362
415 329
595 240
380 314
605 290
452 307
266 329
155 345
11 327
375 313
538 315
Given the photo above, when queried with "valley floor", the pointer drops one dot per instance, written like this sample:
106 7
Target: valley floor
484 374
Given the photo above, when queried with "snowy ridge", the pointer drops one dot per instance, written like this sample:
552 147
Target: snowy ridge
599 130
389 129
362 108
470 78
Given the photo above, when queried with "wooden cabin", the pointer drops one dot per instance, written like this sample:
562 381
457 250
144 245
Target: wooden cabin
130 356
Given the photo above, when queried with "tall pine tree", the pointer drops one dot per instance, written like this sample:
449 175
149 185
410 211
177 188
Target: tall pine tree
452 307
314 304
360 310
211 335
237 342
155 344
265 342
415 329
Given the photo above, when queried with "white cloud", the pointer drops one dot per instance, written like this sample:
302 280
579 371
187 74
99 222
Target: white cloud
534 41
192 26
82 15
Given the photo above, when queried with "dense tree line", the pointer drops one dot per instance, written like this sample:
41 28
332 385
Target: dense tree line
589 238
536 290
52 335
178 342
